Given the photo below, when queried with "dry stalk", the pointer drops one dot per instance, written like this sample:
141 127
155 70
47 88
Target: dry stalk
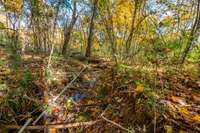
57 126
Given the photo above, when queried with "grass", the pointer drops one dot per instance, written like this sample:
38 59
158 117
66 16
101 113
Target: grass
2 62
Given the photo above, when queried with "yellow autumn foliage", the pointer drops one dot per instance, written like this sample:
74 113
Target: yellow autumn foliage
123 13
140 88
196 118
13 5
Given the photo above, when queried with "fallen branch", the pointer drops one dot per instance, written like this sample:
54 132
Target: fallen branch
25 125
39 117
118 125
57 126
114 123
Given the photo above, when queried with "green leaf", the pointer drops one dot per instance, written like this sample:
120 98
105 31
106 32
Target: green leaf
123 66
48 108
2 26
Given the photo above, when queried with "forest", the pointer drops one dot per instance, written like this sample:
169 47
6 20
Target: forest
100 66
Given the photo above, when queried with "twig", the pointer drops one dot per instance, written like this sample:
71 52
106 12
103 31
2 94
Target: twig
57 126
25 125
127 92
155 120
105 110
50 56
40 116
114 123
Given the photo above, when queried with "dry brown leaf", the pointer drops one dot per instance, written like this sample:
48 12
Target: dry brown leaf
178 100
196 98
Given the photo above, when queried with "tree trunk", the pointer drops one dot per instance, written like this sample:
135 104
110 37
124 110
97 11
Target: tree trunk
193 33
68 31
130 37
91 29
110 31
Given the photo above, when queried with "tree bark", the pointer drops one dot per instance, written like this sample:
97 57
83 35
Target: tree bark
91 29
68 31
130 37
110 31
192 35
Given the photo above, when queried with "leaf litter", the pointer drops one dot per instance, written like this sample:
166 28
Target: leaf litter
131 103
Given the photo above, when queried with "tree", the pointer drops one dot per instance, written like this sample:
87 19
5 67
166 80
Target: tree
14 6
13 11
110 30
68 30
193 34
91 28
36 22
